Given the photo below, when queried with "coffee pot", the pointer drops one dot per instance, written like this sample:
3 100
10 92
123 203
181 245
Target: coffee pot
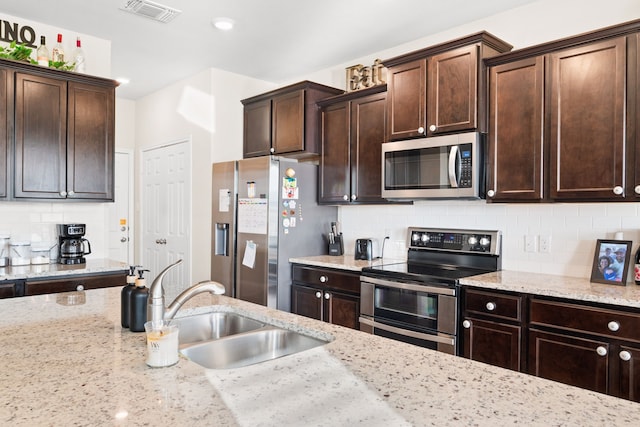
73 246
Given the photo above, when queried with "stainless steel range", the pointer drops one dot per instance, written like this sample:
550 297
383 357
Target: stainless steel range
417 301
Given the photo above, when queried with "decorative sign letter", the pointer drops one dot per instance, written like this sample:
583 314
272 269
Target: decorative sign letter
361 77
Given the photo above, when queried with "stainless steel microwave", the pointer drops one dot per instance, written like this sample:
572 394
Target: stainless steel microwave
447 167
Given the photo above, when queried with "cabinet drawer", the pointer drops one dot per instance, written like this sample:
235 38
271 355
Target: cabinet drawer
71 283
8 290
494 304
327 278
591 320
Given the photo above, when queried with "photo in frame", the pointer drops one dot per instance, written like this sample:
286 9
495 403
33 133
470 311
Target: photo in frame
611 262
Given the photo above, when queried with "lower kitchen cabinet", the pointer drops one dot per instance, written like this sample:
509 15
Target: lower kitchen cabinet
591 347
326 294
10 288
492 328
74 283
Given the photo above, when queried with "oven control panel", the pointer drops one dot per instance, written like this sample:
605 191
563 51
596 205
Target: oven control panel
476 241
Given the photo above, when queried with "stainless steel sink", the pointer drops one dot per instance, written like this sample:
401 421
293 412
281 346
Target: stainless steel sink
213 326
249 348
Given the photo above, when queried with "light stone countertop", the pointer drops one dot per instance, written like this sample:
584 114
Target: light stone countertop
43 271
558 286
342 262
67 364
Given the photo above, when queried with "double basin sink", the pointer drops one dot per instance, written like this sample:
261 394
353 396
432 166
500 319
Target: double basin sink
224 340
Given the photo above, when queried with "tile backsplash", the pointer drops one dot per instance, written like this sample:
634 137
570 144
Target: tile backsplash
571 229
36 222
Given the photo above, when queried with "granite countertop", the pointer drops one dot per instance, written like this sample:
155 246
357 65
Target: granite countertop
341 262
67 361
506 280
557 286
42 271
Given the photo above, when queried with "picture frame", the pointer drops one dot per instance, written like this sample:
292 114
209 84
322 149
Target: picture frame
611 262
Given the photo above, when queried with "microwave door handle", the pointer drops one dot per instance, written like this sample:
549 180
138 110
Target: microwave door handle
454 155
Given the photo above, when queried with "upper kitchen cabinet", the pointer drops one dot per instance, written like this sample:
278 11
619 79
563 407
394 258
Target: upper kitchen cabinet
6 124
516 96
440 89
285 121
62 134
558 129
353 130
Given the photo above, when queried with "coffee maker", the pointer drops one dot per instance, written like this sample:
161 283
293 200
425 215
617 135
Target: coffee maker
72 244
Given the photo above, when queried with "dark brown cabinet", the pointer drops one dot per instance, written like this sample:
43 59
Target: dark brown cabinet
285 121
60 134
326 294
587 123
353 130
74 283
492 328
563 120
516 143
6 125
10 288
590 347
440 89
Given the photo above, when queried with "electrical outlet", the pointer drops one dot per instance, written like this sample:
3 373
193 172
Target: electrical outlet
545 244
530 243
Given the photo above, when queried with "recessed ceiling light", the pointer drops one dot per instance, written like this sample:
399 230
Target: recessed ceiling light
224 24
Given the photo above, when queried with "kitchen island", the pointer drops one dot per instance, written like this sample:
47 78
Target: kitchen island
67 361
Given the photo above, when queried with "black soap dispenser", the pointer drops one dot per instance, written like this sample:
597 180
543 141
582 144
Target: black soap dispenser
125 296
138 304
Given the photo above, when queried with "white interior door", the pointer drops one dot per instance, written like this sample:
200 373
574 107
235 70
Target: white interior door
120 227
166 214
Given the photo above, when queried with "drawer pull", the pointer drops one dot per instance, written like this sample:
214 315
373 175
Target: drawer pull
613 326
491 306
327 295
318 294
80 288
625 355
324 279
466 324
601 351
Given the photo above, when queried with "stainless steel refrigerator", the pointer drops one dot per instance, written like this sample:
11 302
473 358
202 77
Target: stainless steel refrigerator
265 211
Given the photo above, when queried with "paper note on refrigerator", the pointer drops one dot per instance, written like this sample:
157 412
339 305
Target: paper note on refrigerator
224 199
252 216
249 258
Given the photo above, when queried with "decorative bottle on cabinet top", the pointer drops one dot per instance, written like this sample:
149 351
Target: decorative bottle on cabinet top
42 54
57 55
78 57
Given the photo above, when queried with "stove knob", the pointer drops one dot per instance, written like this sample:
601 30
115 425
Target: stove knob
484 241
425 238
473 240
415 237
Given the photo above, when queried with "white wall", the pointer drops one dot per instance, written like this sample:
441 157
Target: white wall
207 108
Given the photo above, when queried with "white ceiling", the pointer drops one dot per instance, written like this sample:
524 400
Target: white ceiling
273 40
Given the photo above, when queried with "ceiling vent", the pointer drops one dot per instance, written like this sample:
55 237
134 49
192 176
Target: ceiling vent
151 10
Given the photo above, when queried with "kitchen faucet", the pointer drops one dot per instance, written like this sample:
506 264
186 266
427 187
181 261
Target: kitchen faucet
156 311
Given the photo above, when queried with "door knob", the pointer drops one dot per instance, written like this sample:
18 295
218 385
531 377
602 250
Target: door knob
123 239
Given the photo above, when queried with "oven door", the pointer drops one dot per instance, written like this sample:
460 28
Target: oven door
414 313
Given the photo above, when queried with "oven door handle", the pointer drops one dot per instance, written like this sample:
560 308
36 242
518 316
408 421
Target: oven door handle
410 287
408 333
454 166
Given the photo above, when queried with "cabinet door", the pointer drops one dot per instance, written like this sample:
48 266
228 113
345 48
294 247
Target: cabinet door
40 137
334 186
494 343
306 301
587 135
287 122
342 309
406 107
6 119
516 94
629 373
367 135
575 361
453 91
257 128
90 142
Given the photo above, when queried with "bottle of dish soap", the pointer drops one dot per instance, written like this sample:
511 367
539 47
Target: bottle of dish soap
125 296
138 304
